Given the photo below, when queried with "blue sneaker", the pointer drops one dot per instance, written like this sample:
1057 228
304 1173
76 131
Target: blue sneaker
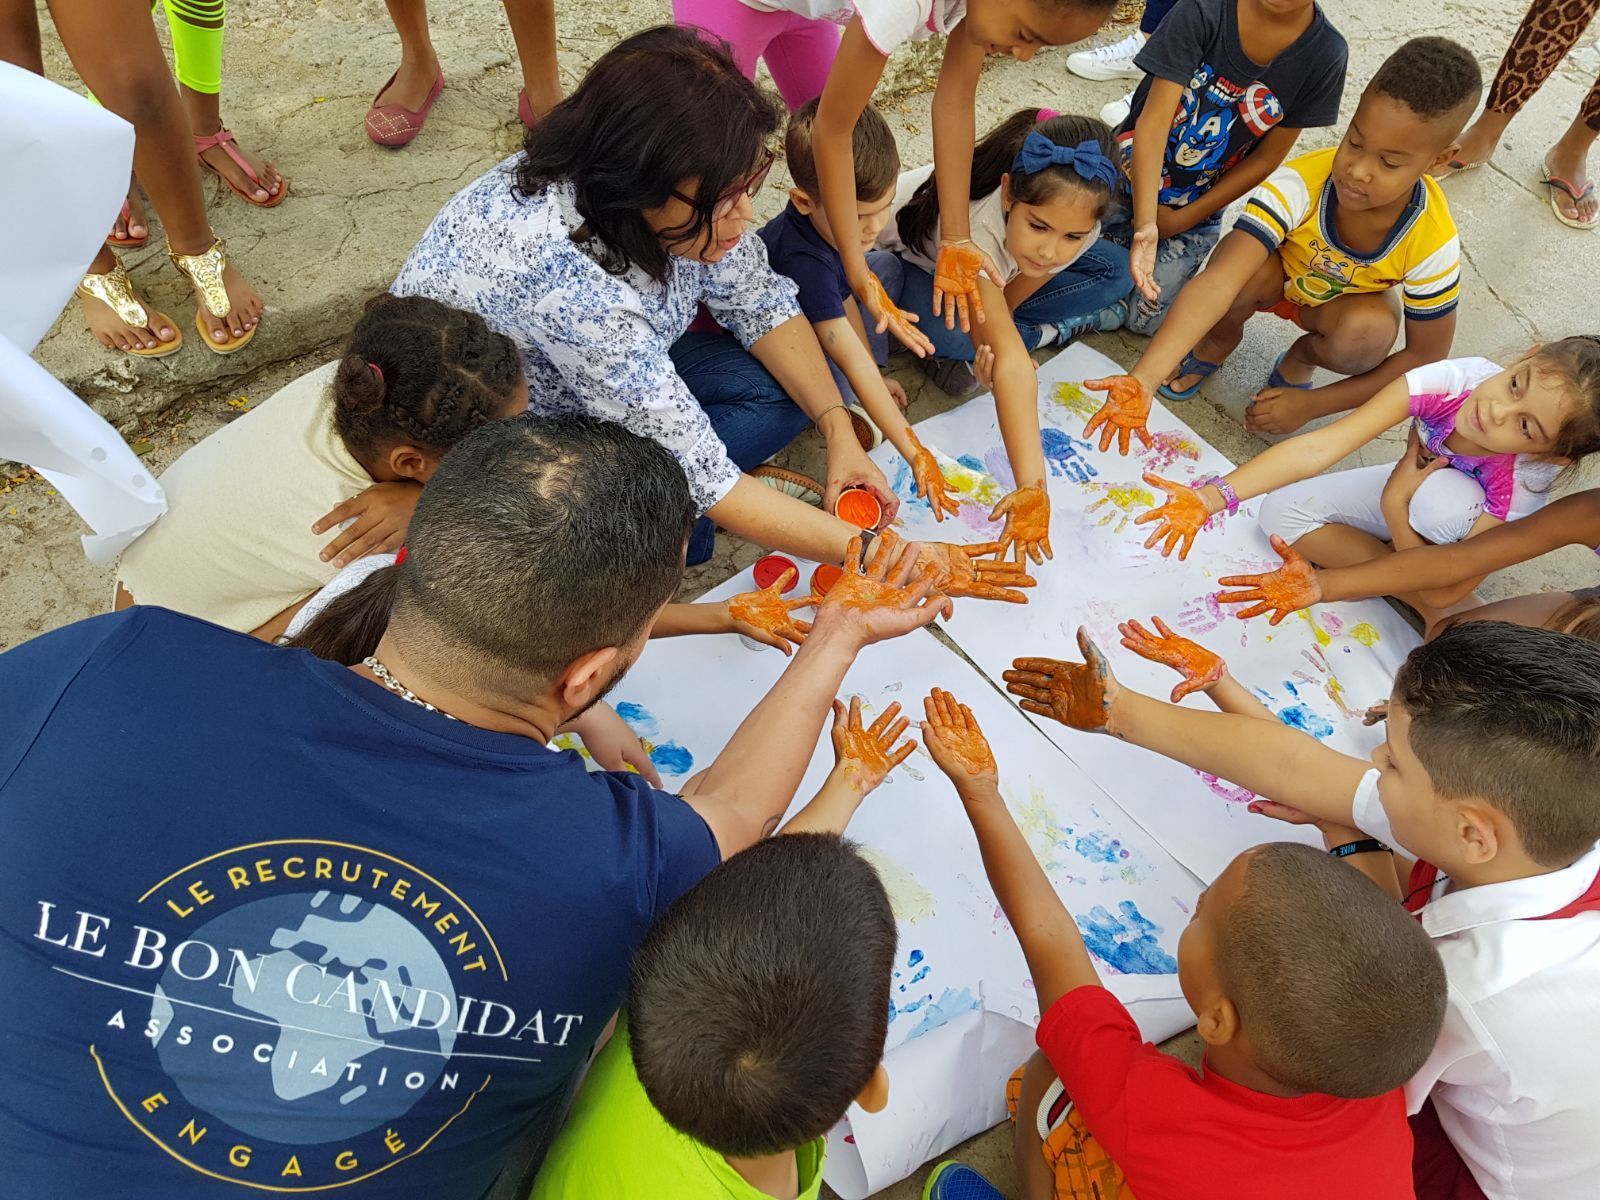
956 1181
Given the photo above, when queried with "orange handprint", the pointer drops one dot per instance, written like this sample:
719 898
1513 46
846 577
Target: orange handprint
954 740
1181 517
955 284
931 483
1125 412
867 755
886 314
1027 528
1199 667
1290 588
766 616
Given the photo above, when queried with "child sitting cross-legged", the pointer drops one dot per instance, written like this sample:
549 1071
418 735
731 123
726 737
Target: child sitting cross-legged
1316 996
1322 244
756 1015
1490 777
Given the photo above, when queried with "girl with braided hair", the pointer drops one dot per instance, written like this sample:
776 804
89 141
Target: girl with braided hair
346 447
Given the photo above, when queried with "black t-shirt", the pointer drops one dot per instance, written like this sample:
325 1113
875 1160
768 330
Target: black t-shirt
1230 102
796 249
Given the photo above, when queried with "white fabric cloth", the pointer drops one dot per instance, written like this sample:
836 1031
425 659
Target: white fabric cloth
1513 1074
237 547
888 24
986 216
346 581
1443 510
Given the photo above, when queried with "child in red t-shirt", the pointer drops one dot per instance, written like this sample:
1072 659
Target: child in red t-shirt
1316 995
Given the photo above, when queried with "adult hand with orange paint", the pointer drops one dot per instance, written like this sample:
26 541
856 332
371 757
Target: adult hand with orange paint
767 617
1081 696
886 314
958 748
968 571
1201 669
1126 411
1180 518
932 486
882 598
1027 528
1293 586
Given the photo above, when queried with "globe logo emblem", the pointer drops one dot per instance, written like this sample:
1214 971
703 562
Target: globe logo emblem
305 1018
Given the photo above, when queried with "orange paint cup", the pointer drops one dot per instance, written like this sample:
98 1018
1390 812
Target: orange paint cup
770 569
858 507
824 577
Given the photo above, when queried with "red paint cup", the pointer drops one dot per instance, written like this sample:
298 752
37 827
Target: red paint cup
824 577
770 569
858 507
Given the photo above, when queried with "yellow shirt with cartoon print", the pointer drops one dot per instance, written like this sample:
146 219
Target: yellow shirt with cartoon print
1292 213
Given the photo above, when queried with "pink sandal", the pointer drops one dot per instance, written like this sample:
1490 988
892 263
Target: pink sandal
393 125
1576 194
128 243
525 110
224 138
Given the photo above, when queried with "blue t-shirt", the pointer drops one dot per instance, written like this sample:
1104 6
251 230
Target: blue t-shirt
797 250
1230 102
263 922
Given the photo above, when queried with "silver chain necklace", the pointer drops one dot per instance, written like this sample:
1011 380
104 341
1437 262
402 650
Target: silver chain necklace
399 689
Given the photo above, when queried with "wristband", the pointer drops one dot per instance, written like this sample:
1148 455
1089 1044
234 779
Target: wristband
866 546
1230 498
817 421
1363 846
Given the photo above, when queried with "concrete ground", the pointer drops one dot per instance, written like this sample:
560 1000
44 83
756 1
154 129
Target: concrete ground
300 75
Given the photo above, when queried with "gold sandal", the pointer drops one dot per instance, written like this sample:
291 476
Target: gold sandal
205 272
115 290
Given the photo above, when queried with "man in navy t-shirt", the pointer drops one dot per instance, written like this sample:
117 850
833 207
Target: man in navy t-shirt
270 922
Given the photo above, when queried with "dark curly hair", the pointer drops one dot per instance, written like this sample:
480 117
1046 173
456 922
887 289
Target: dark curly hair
1432 76
992 157
441 373
663 106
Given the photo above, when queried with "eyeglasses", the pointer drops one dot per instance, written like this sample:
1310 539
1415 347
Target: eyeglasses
750 186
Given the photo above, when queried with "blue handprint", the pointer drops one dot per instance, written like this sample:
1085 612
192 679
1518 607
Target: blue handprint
1062 452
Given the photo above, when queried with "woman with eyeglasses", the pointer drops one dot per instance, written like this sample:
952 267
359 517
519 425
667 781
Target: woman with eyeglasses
627 208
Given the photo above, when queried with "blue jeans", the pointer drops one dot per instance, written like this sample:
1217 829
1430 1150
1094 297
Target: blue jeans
888 268
1068 300
1178 259
748 408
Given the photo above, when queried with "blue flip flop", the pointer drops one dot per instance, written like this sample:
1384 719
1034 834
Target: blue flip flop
1190 366
1276 379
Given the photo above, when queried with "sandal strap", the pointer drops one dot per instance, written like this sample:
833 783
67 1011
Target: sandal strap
1566 186
224 140
205 272
115 290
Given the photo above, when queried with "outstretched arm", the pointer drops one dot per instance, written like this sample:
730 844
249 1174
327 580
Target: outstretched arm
1057 958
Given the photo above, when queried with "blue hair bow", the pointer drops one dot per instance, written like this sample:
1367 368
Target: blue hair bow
1086 158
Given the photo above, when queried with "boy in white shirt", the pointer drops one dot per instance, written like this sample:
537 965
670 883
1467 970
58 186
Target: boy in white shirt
1490 775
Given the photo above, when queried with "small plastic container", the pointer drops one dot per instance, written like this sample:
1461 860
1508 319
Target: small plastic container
858 507
824 577
770 569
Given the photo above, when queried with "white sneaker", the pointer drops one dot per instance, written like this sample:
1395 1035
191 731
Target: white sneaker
1109 62
1117 111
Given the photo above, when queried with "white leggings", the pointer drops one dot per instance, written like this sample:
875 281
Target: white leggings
1443 510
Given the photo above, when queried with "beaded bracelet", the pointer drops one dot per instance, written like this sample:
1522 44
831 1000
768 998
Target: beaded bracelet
1230 498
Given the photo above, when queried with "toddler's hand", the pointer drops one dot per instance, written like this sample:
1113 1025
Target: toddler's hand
983 366
1199 667
897 392
1181 517
957 746
966 571
1290 588
863 758
1125 412
766 616
931 483
611 743
1027 528
1079 695
886 314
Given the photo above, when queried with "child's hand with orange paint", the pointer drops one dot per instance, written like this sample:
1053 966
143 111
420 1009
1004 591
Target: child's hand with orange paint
1181 517
1200 668
1126 412
1027 528
863 757
767 617
931 483
958 747
1081 696
1293 586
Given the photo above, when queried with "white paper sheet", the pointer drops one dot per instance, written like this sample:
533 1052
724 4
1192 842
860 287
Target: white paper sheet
1317 670
67 163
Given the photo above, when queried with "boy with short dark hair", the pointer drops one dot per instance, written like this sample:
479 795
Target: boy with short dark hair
804 246
1316 996
1321 244
1490 775
757 1014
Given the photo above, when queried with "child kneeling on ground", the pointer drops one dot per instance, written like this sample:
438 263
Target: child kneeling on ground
1316 996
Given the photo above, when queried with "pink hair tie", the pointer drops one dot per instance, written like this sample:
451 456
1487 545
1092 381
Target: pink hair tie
377 370
1046 114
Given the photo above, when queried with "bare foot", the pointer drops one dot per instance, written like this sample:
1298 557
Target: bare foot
1182 383
135 226
271 180
1277 410
412 83
115 334
1561 163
